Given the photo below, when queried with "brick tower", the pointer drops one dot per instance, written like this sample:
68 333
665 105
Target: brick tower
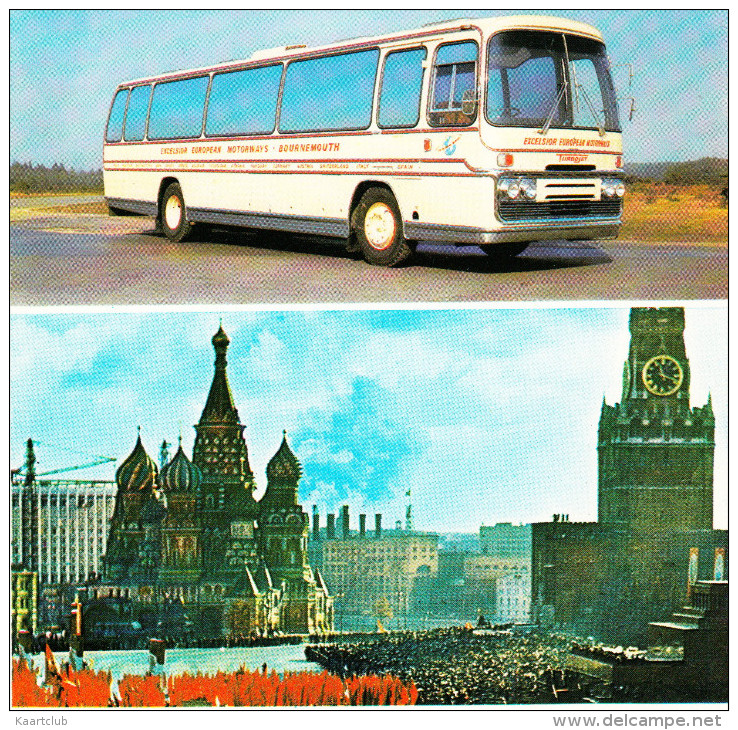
655 451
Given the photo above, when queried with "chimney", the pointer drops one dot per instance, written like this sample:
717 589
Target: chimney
362 525
331 527
316 523
345 521
378 525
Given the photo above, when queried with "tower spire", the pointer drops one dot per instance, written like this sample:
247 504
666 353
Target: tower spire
219 406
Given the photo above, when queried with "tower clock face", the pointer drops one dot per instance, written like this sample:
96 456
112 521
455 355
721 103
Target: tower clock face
662 375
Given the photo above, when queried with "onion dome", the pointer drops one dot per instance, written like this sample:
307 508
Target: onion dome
220 340
137 472
283 469
180 474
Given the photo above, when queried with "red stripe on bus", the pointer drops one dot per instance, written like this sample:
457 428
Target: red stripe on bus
400 173
278 161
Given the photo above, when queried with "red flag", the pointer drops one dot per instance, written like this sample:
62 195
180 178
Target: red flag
52 670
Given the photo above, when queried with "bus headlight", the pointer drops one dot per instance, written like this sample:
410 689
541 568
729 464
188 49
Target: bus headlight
513 189
508 187
528 188
612 188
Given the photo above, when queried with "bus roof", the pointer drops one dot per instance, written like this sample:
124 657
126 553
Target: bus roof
486 25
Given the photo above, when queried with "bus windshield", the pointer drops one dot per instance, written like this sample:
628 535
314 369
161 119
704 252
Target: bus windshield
542 79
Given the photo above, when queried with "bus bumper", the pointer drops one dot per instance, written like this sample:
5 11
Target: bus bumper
550 231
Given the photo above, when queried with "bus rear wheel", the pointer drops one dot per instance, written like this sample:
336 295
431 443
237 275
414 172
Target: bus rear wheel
173 214
505 250
377 225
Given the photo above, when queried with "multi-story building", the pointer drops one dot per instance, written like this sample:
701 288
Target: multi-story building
23 600
505 540
512 594
59 528
486 575
379 572
634 565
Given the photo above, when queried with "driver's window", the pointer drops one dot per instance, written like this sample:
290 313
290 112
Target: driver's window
454 76
527 91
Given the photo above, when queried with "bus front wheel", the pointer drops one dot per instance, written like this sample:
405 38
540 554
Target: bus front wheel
173 214
377 225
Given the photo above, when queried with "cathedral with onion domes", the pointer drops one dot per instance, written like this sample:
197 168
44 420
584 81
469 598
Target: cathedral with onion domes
197 553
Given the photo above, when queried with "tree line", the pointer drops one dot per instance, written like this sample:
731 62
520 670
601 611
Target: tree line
26 177
711 171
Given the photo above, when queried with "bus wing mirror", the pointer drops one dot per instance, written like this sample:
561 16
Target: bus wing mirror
469 102
632 109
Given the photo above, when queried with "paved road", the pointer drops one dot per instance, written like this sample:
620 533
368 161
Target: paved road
78 259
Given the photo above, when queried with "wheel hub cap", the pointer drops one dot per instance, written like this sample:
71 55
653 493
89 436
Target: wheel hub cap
379 226
173 213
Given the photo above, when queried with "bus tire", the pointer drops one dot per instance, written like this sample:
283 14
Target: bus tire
377 225
173 214
505 250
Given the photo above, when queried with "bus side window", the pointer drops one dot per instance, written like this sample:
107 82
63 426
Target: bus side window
138 109
244 102
329 93
177 108
402 84
454 72
115 120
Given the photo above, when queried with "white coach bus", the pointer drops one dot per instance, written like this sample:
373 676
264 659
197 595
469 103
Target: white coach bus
494 132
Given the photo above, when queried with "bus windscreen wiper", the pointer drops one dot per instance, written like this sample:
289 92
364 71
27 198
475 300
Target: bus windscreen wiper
544 129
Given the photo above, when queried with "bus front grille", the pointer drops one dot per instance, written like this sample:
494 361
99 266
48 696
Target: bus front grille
551 210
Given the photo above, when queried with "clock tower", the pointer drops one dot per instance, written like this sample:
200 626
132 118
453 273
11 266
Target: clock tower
655 451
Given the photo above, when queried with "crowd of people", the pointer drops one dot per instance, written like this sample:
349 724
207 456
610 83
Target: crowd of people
459 666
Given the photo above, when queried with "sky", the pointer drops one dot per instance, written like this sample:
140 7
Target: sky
65 65
485 415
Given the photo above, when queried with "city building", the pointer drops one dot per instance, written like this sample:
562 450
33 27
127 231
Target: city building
191 551
23 601
379 573
59 528
654 535
505 540
512 594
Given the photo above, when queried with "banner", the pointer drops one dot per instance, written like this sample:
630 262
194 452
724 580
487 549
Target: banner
719 571
692 571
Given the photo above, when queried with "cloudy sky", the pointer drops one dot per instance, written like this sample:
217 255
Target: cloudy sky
487 415
64 66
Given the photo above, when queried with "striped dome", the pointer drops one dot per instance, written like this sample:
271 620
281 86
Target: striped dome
180 474
284 468
137 472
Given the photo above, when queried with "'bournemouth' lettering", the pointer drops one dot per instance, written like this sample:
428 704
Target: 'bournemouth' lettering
310 147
